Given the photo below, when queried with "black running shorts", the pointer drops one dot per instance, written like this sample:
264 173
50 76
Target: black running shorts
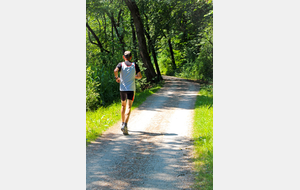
127 95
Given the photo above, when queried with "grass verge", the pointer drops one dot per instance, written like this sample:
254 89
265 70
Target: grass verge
210 82
203 139
104 117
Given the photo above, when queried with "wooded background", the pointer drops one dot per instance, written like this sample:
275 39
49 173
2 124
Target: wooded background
168 37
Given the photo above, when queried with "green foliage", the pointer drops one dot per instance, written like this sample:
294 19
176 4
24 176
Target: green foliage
188 25
165 63
142 83
92 97
109 89
200 69
190 28
203 139
102 73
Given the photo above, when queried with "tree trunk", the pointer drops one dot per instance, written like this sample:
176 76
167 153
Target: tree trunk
150 73
133 40
151 46
156 63
117 32
112 38
172 54
105 28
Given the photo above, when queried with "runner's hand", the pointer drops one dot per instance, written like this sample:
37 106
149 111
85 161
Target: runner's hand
118 80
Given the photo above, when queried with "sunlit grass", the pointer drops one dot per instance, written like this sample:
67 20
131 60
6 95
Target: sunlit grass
203 139
104 117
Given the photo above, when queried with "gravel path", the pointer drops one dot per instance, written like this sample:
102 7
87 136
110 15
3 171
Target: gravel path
157 152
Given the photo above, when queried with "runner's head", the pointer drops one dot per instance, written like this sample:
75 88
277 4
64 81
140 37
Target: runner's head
127 55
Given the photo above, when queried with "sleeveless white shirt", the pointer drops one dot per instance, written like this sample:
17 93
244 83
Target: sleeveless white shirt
127 76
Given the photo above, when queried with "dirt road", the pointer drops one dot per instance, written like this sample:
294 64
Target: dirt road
157 152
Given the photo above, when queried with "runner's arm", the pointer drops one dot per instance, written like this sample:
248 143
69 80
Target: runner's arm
138 72
116 72
138 76
116 75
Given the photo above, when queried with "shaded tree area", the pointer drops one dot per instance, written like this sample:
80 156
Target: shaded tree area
165 37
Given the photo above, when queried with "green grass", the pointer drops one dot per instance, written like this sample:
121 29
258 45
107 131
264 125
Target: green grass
104 117
191 78
203 139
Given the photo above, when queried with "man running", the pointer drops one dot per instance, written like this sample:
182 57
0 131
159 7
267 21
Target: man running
129 71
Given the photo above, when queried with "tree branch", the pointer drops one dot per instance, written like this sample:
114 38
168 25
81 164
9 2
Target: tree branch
98 23
96 37
119 16
91 39
115 27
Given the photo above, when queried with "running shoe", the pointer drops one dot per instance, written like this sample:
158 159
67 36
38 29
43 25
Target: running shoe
124 130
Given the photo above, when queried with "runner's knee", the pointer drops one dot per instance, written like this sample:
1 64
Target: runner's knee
129 103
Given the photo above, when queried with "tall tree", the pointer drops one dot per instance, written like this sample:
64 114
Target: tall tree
150 73
172 53
133 40
151 44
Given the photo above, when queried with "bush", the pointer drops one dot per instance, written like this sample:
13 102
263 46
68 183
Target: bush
201 68
141 84
92 97
109 89
101 71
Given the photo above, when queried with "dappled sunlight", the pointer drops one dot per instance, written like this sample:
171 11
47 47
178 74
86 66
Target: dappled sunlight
140 150
176 94
157 151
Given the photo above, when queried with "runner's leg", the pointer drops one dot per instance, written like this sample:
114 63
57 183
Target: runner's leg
123 105
130 98
123 108
128 110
